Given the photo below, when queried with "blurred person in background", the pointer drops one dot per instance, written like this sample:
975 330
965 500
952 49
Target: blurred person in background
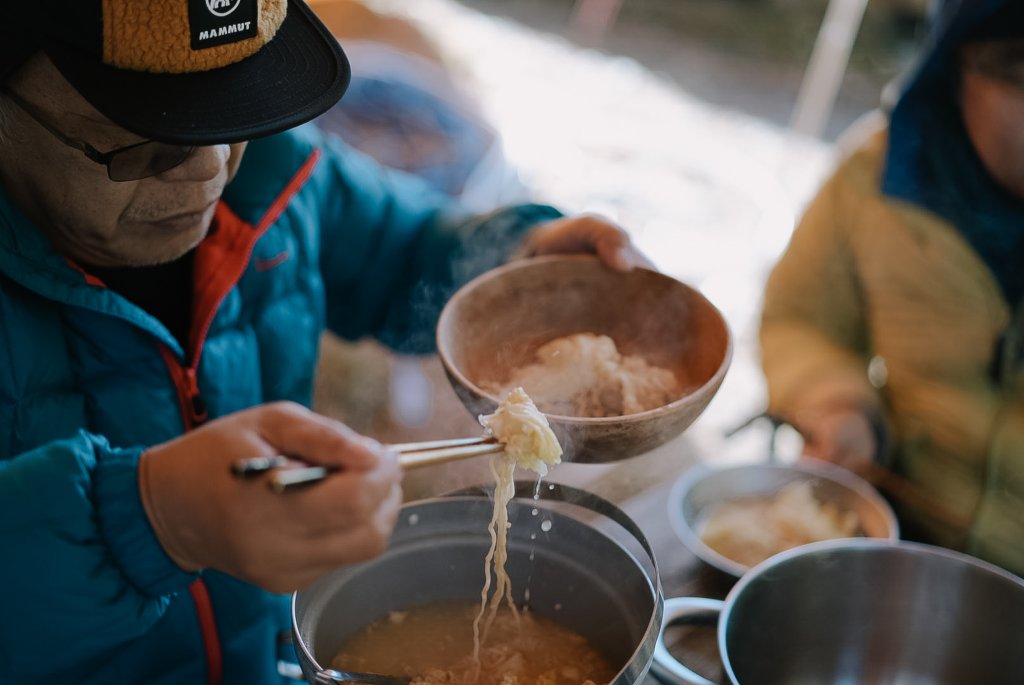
408 109
893 324
171 249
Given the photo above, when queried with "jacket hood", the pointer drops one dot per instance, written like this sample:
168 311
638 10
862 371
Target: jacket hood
932 81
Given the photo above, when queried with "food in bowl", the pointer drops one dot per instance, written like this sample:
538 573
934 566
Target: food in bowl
751 529
437 648
585 375
702 489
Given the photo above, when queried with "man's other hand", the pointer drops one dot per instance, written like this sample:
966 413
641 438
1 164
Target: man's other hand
586 234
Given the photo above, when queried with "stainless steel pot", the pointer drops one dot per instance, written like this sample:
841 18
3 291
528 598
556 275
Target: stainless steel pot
573 557
864 611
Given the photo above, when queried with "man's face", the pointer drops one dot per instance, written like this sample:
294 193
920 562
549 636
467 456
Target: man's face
87 216
993 111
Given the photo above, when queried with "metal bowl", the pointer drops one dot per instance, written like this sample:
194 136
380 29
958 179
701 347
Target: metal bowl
496 322
698 490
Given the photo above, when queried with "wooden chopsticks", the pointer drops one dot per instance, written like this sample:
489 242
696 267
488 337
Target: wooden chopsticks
288 473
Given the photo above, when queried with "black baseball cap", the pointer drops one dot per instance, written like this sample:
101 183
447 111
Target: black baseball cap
184 71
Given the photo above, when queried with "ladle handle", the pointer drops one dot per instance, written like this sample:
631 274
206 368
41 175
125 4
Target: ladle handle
330 676
666 666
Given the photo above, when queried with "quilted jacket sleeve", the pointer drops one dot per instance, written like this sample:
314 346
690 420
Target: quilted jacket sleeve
83 571
393 250
814 337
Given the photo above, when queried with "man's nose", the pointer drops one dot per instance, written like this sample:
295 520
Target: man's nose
203 164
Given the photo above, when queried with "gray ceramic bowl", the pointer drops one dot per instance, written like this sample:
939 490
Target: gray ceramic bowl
496 322
701 488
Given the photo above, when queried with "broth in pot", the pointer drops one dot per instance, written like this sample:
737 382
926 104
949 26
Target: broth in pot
433 645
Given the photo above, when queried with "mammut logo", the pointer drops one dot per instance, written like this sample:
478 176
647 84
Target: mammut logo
224 30
222 8
219 22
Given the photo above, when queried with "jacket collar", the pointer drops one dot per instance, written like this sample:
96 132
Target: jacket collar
28 258
255 198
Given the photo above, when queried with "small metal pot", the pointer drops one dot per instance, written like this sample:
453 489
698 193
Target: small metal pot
572 557
864 611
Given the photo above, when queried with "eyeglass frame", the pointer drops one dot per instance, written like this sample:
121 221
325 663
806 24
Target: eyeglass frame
103 158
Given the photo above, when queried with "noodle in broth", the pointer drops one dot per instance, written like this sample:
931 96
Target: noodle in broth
433 643
531 444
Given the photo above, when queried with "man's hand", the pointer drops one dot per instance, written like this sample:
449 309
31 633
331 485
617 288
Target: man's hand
206 518
586 234
843 436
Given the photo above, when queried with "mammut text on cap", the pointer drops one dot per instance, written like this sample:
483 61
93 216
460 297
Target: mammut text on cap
184 71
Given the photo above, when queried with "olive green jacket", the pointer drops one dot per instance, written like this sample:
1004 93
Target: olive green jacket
872 282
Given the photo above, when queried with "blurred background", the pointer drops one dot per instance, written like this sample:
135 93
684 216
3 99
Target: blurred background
700 126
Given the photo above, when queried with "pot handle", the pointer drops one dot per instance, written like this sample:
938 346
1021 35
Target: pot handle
666 666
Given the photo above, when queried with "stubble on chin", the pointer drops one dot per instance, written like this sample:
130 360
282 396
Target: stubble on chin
149 244
155 250
140 245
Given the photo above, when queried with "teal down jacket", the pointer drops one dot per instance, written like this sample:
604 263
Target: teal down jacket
309 235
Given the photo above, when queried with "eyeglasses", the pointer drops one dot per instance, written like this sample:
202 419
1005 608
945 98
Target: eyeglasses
128 163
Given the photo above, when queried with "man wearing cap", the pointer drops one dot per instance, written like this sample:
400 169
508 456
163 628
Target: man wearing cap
161 298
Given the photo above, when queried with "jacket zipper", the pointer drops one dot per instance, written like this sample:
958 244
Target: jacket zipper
194 402
193 407
186 382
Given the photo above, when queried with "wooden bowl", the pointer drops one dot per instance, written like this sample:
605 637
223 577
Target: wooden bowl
495 323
